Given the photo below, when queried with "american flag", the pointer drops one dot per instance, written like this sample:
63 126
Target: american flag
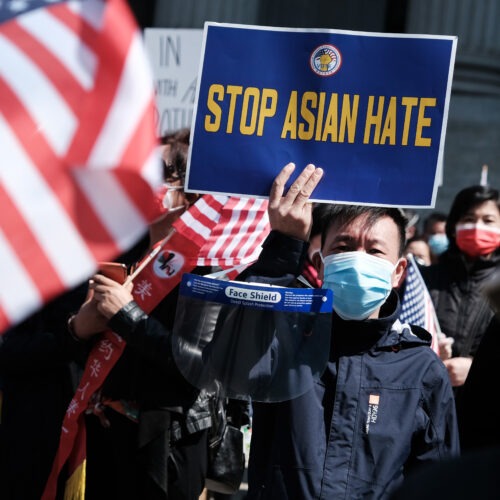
416 306
235 241
79 158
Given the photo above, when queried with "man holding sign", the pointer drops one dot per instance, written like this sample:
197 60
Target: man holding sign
384 402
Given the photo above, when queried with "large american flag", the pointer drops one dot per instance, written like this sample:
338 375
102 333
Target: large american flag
416 305
78 145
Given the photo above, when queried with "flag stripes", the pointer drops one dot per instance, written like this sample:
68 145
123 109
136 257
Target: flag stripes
55 58
198 222
236 240
416 306
25 291
78 143
43 229
36 96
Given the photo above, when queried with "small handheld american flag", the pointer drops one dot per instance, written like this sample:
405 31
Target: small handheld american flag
236 240
416 306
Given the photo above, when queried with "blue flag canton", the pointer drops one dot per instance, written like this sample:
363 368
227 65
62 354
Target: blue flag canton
413 304
13 8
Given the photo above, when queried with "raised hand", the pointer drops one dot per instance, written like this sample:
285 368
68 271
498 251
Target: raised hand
291 212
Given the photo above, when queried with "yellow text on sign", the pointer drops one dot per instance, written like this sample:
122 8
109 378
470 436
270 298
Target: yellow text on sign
321 116
256 105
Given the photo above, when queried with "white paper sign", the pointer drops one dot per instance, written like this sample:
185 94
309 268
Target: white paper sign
175 56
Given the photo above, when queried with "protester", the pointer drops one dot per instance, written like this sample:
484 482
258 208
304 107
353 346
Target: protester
455 282
420 249
384 402
148 435
434 231
38 379
475 473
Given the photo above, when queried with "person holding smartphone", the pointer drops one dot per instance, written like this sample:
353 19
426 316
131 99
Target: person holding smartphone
148 429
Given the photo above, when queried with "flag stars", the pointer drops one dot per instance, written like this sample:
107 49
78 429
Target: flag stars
17 5
20 5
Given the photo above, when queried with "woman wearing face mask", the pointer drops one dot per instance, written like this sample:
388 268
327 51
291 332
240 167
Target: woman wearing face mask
456 281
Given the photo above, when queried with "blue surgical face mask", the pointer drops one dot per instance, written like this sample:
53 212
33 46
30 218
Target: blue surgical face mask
360 283
438 243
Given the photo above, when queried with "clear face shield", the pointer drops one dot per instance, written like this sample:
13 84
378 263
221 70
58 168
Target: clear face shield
252 341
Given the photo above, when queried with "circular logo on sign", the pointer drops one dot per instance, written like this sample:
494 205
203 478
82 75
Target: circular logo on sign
325 60
168 263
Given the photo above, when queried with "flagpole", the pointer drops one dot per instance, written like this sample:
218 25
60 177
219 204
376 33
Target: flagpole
484 176
150 257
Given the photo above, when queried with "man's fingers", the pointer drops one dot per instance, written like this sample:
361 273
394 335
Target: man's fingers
290 212
278 187
311 183
303 187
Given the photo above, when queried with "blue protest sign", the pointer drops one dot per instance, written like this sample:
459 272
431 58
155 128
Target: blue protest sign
369 108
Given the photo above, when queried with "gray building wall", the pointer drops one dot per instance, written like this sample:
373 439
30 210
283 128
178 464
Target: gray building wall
473 132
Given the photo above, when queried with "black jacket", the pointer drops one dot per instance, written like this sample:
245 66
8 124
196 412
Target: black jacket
455 287
477 420
383 405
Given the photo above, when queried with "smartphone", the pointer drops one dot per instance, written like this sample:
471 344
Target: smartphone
114 270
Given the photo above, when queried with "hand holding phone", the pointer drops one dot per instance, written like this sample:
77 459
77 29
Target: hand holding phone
114 270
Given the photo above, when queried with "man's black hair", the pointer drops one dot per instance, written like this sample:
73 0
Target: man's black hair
344 214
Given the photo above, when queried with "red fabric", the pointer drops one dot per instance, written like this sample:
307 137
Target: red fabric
84 154
311 274
101 360
477 239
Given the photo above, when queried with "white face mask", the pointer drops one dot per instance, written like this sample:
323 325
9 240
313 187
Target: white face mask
168 199
165 201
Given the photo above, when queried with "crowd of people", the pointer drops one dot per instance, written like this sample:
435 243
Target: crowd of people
385 407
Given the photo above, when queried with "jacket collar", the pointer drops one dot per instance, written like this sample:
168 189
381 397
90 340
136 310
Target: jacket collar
456 260
385 332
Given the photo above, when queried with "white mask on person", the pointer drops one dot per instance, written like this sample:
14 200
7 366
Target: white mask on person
165 200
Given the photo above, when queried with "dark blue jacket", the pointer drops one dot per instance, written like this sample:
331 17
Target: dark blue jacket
383 405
